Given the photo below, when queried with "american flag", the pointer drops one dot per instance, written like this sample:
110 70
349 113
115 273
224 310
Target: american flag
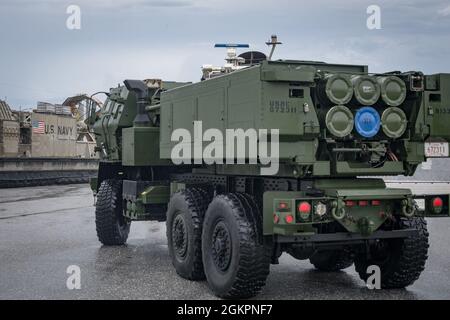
38 126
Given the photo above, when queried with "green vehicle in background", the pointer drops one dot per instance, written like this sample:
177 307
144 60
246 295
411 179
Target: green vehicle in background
340 128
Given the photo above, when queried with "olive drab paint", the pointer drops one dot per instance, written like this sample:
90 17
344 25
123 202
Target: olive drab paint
235 147
334 124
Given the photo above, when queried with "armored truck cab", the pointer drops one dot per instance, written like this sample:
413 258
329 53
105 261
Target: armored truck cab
331 127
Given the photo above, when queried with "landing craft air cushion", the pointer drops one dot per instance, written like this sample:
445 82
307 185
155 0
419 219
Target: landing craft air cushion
228 222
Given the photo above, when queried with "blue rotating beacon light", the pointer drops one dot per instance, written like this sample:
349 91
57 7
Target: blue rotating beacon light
367 122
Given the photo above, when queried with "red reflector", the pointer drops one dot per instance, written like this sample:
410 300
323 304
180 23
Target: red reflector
363 203
376 202
276 218
282 205
437 202
304 207
349 203
289 218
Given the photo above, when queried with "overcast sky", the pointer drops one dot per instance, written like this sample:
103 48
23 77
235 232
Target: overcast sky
42 60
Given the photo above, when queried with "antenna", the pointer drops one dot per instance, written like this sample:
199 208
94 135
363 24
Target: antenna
233 62
231 51
273 42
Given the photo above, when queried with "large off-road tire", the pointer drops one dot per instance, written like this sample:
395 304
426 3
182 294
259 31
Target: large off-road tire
236 257
184 231
332 260
112 227
401 261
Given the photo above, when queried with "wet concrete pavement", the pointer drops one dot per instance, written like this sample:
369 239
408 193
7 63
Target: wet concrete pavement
43 230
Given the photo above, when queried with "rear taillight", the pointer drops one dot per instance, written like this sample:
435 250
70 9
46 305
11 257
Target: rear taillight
437 204
276 218
363 203
282 206
304 210
304 207
350 203
289 218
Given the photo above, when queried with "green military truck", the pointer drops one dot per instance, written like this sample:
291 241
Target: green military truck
339 128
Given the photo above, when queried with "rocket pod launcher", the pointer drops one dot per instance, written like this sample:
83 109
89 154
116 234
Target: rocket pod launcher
333 120
336 123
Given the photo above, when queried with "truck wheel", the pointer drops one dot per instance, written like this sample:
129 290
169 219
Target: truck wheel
400 260
235 257
332 260
184 231
112 227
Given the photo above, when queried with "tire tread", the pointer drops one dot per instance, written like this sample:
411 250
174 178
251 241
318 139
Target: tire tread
106 217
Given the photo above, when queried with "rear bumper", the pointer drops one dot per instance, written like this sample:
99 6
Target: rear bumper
360 206
345 237
359 210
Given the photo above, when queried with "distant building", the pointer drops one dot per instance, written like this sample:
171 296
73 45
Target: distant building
49 131
9 131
